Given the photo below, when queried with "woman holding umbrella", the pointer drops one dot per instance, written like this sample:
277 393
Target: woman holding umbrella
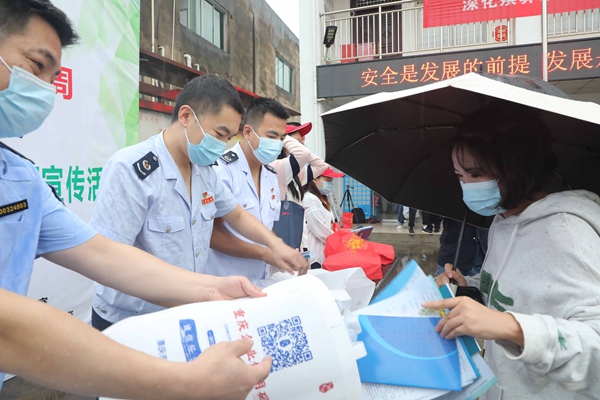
541 276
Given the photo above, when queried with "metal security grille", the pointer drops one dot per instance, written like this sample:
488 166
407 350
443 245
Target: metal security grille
360 194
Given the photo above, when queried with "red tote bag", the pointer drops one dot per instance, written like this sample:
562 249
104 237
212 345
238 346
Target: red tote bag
366 259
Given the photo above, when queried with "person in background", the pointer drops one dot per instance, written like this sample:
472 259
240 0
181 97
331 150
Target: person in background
472 248
49 346
318 216
541 274
246 172
412 215
163 195
401 217
295 166
431 222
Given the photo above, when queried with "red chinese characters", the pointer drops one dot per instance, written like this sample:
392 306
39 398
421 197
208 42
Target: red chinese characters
243 327
64 83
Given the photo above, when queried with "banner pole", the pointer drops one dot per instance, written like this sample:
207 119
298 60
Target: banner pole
545 40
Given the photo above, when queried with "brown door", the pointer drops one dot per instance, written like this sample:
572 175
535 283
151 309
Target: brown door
366 27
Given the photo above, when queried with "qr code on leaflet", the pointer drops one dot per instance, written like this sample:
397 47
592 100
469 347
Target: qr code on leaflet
286 343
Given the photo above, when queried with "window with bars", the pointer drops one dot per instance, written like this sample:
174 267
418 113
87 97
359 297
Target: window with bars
206 18
451 35
284 74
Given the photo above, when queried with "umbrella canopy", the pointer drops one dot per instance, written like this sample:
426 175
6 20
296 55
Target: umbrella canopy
399 143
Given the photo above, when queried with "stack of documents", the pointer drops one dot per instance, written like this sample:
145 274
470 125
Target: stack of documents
406 359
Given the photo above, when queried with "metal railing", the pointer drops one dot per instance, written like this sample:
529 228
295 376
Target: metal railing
396 29
574 23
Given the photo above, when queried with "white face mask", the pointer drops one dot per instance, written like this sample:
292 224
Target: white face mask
482 197
207 151
326 188
25 103
267 150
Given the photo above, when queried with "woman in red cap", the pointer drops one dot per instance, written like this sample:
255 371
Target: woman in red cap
318 216
295 166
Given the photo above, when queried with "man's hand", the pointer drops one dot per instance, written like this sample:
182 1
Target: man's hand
220 373
234 287
448 274
286 258
282 256
468 317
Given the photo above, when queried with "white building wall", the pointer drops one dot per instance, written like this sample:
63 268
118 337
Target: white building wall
311 56
527 30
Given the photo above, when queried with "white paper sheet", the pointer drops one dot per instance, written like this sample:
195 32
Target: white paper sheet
407 301
298 324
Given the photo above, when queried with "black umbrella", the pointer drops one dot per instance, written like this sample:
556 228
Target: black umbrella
399 144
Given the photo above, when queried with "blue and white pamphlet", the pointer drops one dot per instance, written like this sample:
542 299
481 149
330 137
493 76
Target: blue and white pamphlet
407 351
406 359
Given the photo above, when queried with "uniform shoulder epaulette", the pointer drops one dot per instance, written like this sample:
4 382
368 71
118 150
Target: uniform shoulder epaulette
229 157
269 168
52 188
16 152
146 165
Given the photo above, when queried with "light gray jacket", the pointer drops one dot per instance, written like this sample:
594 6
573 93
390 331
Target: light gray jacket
543 266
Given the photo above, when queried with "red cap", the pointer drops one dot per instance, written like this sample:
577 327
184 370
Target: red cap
302 129
329 173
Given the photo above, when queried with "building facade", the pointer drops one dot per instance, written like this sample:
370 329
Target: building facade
243 41
385 45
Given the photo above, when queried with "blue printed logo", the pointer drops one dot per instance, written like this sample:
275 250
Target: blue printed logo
189 339
162 349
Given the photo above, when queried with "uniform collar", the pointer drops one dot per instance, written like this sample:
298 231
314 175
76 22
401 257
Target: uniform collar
242 160
170 170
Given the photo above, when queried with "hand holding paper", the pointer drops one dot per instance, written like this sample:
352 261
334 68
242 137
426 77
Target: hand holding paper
468 317
296 329
234 378
449 274
233 287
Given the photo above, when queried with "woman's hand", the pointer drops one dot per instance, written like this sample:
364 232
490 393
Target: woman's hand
468 317
448 274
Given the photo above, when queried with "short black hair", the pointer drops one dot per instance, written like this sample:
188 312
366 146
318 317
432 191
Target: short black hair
16 14
259 107
510 143
208 94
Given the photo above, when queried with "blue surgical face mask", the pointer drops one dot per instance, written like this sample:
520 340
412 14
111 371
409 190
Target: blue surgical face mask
326 188
482 197
207 151
25 103
267 150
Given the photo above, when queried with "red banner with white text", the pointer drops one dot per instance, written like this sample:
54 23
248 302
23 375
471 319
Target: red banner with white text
455 12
